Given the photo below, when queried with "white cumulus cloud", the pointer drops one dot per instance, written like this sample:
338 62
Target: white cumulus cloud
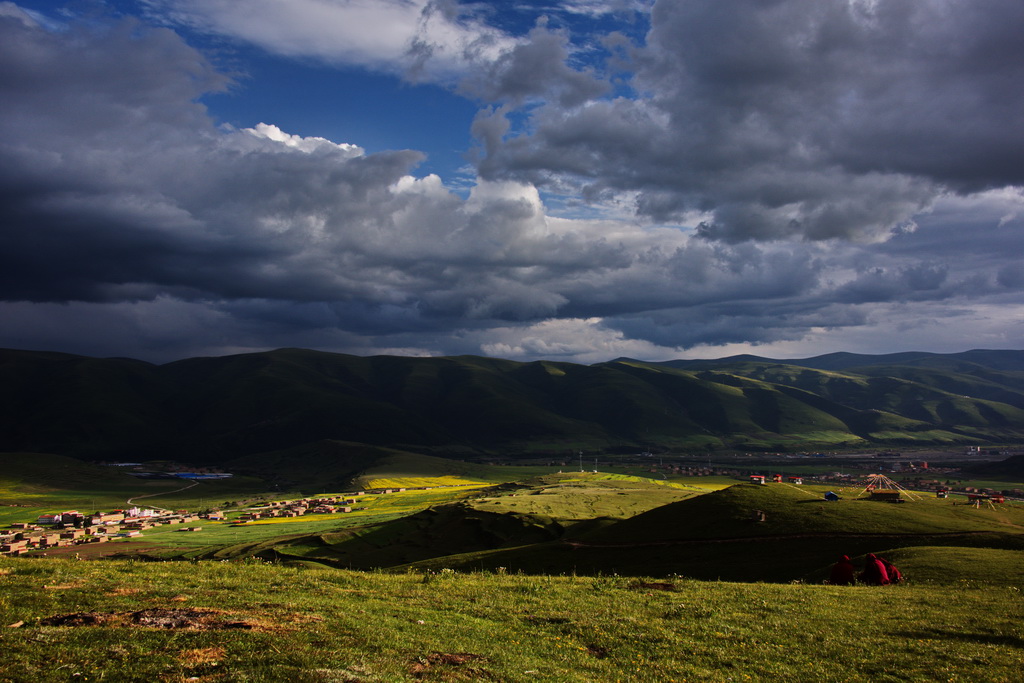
437 40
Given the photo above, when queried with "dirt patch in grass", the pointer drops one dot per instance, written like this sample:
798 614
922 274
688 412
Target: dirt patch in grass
301 618
77 619
200 656
450 666
198 619
653 586
96 551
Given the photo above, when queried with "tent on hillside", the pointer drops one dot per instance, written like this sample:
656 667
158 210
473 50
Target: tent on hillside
881 487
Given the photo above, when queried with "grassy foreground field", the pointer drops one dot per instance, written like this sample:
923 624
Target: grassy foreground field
453 606
250 621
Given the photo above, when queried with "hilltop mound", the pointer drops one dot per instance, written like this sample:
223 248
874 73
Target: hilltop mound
510 515
436 532
714 536
794 510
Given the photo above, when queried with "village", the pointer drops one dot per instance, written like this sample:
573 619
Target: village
917 475
71 527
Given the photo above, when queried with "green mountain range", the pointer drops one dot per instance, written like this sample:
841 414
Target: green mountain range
216 409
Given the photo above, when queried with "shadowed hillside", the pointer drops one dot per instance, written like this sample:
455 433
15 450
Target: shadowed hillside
1012 467
218 409
714 536
591 525
538 510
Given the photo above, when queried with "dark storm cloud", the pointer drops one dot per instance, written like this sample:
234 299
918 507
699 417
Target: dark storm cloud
126 191
737 322
536 68
906 283
693 276
798 118
117 187
130 220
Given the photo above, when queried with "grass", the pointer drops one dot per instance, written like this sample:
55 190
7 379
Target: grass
311 624
458 520
398 481
958 617
408 470
793 509
568 496
960 566
576 496
713 537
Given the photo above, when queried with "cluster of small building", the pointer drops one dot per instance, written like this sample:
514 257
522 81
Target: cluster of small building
941 488
324 505
976 491
696 471
777 478
936 485
75 528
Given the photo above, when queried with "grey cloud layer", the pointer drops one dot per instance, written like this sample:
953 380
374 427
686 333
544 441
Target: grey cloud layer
124 204
813 119
127 191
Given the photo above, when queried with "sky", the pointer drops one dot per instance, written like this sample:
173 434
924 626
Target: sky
573 180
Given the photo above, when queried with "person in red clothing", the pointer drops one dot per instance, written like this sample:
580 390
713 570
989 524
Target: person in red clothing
842 572
895 576
874 572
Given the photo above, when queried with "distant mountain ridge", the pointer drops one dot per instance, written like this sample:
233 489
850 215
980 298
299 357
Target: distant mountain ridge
216 409
842 360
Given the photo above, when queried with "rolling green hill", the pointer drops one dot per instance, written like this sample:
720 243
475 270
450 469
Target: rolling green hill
222 409
474 516
713 536
537 510
598 524
796 510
